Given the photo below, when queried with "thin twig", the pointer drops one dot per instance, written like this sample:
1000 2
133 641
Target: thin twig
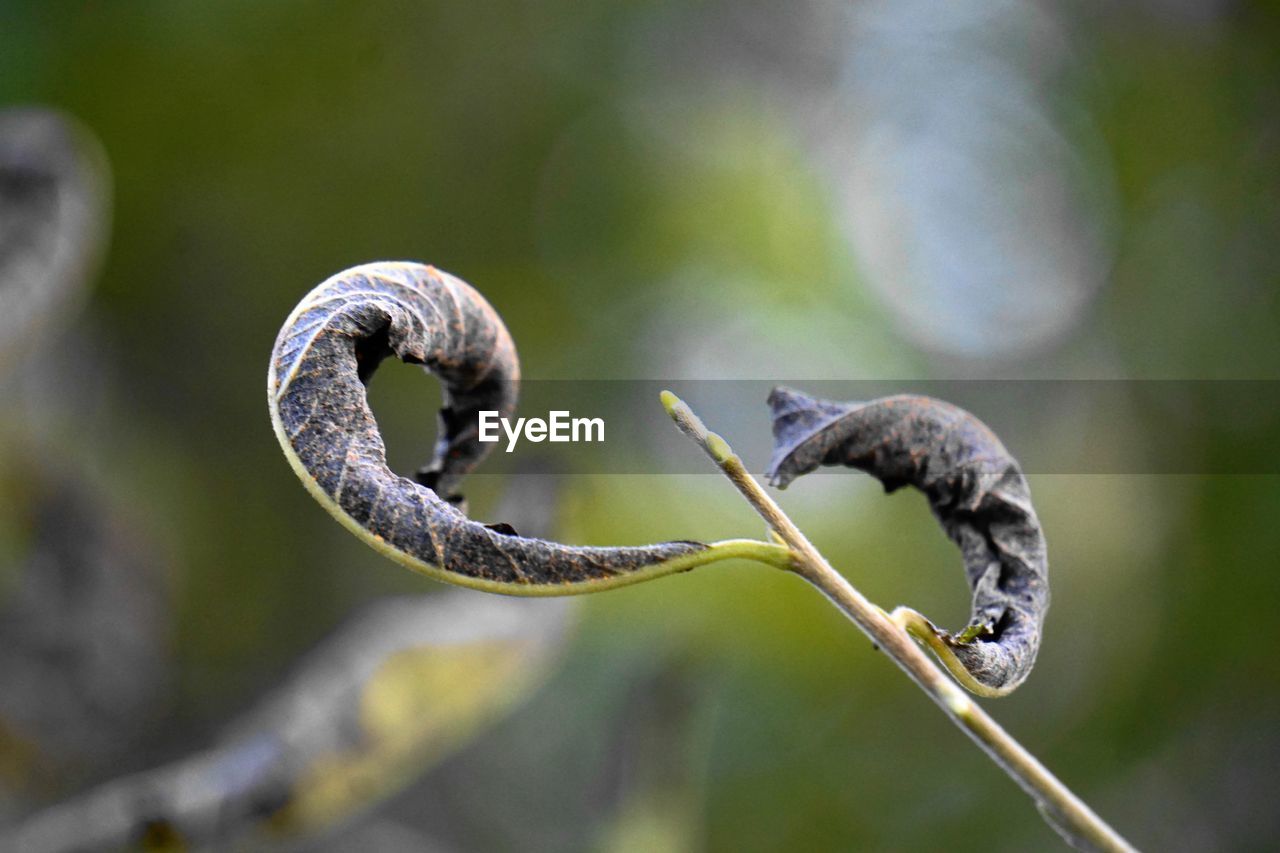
1063 810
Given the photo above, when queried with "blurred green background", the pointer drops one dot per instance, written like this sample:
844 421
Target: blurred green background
661 190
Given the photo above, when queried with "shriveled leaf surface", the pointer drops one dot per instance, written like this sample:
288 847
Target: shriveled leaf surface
977 493
324 357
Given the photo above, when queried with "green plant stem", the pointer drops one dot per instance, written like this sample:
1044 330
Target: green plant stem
1063 810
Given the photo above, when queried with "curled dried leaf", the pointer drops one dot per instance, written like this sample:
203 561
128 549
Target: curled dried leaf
977 493
325 355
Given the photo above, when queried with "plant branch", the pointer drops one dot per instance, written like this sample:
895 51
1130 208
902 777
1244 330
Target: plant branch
1063 810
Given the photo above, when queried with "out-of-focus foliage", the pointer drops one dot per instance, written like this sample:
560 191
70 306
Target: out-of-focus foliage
405 683
646 190
83 607
84 628
53 222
